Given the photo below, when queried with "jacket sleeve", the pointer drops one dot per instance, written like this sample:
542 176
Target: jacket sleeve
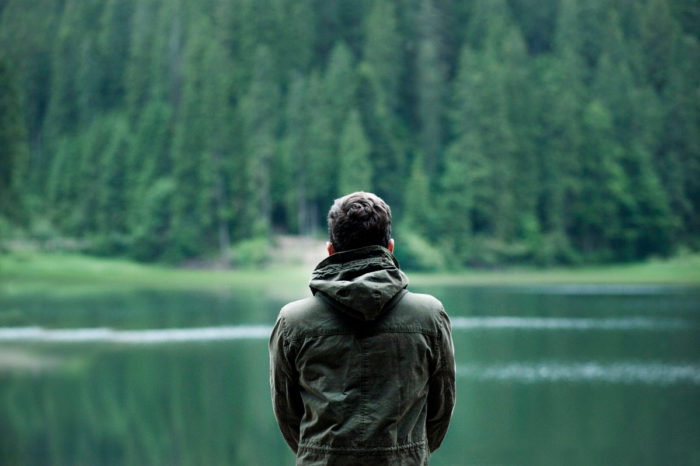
286 399
441 389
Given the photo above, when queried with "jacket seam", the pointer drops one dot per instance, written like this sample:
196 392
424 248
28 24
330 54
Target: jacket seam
363 385
357 264
427 333
393 448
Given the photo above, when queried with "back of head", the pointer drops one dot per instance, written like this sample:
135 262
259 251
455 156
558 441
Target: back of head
357 220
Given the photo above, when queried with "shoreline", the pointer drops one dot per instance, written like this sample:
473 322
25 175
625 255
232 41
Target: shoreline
63 272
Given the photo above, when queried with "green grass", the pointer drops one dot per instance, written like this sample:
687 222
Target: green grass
676 271
70 273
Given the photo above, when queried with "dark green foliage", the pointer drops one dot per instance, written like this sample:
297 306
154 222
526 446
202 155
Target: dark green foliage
354 169
14 150
503 131
152 216
259 112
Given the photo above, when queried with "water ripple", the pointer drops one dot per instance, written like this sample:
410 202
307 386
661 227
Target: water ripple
569 323
146 336
652 373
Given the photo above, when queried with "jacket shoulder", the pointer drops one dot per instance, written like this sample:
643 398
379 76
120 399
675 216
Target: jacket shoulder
299 315
422 301
298 311
421 309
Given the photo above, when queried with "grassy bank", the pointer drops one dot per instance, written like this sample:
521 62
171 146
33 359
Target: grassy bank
676 271
35 271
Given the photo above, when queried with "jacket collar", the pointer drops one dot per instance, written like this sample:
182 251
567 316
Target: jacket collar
361 281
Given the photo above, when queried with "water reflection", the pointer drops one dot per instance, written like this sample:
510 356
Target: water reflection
569 323
151 336
182 378
591 372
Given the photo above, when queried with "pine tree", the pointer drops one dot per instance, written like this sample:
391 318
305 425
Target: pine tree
166 56
215 169
558 115
14 155
188 153
88 78
461 182
488 23
76 188
258 110
417 213
378 96
339 87
62 113
296 44
383 53
149 159
355 171
521 117
321 150
659 39
113 43
138 74
28 32
112 198
295 157
603 205
150 235
677 156
430 87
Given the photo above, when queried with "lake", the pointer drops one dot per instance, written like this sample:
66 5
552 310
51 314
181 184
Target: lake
547 375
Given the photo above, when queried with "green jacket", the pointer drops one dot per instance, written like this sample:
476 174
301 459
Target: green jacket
363 371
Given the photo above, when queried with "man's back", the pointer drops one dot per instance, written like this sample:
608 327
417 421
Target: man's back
363 371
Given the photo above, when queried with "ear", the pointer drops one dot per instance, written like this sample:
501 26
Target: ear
390 246
330 248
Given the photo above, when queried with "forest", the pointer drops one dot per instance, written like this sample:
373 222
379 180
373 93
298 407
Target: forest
500 131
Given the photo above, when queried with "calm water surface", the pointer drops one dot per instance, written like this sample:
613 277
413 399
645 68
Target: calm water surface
576 375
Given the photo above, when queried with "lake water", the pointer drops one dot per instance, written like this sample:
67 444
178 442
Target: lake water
549 375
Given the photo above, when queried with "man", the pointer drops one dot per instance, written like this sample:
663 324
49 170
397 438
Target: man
363 371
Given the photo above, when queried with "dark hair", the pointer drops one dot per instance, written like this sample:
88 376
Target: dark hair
359 219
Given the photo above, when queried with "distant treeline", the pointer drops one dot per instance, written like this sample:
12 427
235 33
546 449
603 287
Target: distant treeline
500 131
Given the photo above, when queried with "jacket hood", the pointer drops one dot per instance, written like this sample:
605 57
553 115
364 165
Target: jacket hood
360 282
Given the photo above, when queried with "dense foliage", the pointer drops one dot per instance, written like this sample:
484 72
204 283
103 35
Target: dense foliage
498 130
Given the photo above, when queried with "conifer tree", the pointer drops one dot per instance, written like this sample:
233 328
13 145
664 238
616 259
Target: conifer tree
418 216
295 160
383 53
384 132
149 159
603 202
462 180
258 110
430 86
14 155
88 82
188 152
321 150
62 113
215 168
339 83
298 36
355 171
113 42
112 197
659 39
378 95
138 73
